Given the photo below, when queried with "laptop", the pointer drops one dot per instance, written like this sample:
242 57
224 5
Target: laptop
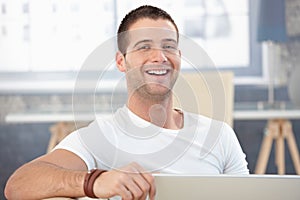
227 187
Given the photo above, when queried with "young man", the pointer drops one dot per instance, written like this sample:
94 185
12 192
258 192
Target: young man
146 136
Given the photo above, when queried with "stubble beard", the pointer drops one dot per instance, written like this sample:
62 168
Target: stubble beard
150 91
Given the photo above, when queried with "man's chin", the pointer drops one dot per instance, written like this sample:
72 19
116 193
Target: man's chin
160 94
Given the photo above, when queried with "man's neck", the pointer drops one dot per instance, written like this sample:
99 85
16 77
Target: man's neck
160 113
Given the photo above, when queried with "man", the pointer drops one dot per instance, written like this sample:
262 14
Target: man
146 136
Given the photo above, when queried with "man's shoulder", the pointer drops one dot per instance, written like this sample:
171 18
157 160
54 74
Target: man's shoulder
196 116
202 120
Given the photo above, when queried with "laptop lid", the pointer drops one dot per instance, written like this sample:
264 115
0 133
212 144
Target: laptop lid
227 187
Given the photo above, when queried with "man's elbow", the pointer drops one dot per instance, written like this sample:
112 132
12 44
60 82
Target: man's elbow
10 191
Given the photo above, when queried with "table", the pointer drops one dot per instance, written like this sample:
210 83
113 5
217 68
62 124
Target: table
52 114
256 111
278 127
62 118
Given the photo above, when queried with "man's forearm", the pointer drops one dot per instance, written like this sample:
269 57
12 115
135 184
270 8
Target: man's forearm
40 180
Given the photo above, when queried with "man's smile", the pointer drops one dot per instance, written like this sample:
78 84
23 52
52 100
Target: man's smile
157 72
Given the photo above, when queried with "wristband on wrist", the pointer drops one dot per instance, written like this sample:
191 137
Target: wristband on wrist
89 181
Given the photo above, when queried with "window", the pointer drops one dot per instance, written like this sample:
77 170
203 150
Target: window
52 35
224 28
57 36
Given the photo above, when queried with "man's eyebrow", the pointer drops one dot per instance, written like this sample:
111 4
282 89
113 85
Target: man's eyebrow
149 40
142 41
169 40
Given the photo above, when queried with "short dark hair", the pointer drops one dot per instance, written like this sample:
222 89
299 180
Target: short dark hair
133 16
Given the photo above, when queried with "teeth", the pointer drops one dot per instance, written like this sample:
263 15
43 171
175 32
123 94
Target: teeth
157 72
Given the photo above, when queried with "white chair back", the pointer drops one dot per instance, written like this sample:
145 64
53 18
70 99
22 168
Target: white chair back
210 93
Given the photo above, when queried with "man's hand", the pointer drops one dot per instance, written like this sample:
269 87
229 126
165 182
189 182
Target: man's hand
129 182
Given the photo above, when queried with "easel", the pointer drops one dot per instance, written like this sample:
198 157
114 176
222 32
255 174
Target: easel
278 130
60 130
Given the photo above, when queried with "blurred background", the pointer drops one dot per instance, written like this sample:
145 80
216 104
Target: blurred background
44 43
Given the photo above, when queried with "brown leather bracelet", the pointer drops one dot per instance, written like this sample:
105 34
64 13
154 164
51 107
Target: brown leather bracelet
89 181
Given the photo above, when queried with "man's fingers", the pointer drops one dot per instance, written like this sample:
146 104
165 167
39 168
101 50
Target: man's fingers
145 181
152 191
143 185
135 182
125 193
134 188
151 181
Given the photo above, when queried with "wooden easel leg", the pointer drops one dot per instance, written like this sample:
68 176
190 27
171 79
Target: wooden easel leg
57 131
271 131
279 150
53 138
291 141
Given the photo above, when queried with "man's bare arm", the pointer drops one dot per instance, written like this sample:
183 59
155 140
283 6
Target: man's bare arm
60 173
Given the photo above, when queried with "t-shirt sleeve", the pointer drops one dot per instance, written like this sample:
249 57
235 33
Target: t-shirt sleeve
73 144
235 158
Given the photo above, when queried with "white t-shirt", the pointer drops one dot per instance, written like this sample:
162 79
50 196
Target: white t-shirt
202 146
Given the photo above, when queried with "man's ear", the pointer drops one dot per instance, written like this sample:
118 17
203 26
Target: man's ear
120 61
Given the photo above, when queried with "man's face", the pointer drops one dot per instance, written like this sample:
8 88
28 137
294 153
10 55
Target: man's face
152 59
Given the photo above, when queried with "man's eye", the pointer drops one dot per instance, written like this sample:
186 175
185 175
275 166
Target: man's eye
169 47
144 47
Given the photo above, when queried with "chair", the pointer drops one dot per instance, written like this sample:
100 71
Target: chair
210 93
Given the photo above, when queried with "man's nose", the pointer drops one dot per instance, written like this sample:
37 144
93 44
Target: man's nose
158 55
